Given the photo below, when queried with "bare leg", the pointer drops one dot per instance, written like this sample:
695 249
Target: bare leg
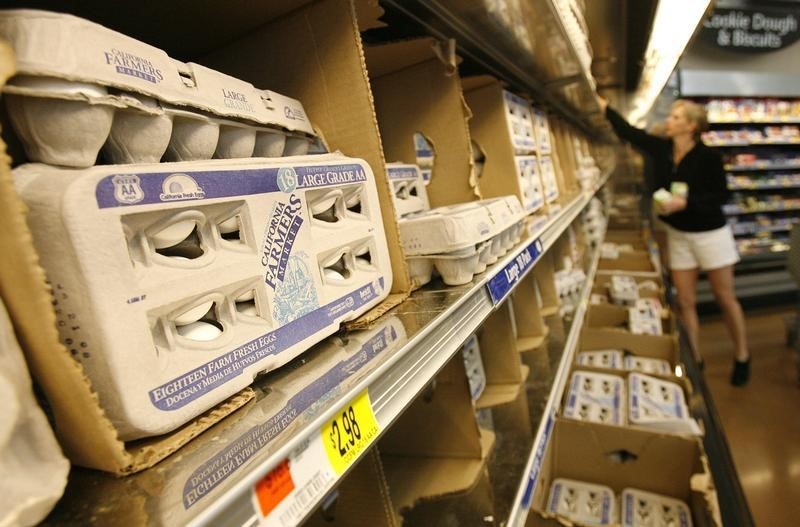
686 283
722 284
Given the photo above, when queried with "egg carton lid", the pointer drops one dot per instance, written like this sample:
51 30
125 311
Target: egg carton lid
608 509
630 497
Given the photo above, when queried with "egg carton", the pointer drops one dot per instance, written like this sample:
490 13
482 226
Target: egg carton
409 193
610 358
81 87
424 153
473 364
520 123
597 299
175 284
647 509
624 290
542 131
460 241
647 365
660 404
549 182
583 503
645 317
530 182
596 397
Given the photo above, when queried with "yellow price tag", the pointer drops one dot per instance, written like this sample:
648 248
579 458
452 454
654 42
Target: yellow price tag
350 432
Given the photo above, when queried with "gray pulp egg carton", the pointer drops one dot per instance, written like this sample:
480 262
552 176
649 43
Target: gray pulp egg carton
660 404
520 123
541 128
647 509
409 193
530 182
473 363
549 181
596 397
176 283
581 502
81 87
459 241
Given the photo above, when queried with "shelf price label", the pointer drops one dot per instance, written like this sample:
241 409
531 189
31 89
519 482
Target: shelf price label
501 284
350 432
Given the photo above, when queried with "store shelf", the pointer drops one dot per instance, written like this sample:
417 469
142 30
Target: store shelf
562 85
530 475
733 209
211 481
739 229
762 166
775 120
775 186
757 143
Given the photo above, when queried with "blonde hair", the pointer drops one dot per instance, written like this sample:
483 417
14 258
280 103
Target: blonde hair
695 113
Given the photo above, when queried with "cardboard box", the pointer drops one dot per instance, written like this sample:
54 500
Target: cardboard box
326 50
637 261
416 90
436 449
505 374
531 330
649 286
664 347
617 317
544 274
621 458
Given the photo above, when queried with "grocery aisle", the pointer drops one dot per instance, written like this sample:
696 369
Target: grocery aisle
760 420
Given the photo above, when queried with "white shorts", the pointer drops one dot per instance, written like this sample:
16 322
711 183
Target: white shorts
707 249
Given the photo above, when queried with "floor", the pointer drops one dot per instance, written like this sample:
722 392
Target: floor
761 420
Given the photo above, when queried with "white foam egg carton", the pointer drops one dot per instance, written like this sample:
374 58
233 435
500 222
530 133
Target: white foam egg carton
582 503
624 290
520 123
647 365
409 193
660 404
610 358
473 363
596 397
647 509
459 241
549 182
530 183
81 87
175 284
644 318
541 131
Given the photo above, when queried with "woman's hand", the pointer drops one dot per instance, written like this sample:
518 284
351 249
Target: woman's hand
676 204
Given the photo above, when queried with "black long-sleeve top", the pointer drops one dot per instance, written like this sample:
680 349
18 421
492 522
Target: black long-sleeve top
701 169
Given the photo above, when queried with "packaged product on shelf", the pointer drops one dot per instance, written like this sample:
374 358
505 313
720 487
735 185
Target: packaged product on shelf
115 93
584 503
659 404
549 183
647 365
177 283
541 129
408 189
644 318
596 397
460 240
473 364
610 358
643 509
624 290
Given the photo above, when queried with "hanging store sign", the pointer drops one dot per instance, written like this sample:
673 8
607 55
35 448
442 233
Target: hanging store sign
752 30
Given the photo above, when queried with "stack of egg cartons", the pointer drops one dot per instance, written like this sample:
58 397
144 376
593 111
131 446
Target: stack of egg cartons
176 283
519 117
644 317
459 241
594 222
544 148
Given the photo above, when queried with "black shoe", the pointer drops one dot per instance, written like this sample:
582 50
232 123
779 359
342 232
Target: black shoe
741 372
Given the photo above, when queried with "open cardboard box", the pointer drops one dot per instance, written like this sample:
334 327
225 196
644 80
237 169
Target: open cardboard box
325 51
417 89
505 373
602 284
636 261
544 274
622 457
531 329
436 449
616 318
664 347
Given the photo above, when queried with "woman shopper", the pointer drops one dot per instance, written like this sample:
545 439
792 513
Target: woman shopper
698 235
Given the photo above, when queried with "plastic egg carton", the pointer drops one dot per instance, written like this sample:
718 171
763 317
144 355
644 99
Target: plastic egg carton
175 284
659 404
473 364
647 509
520 123
596 397
549 182
459 241
582 503
409 194
81 87
530 183
624 290
610 358
647 365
